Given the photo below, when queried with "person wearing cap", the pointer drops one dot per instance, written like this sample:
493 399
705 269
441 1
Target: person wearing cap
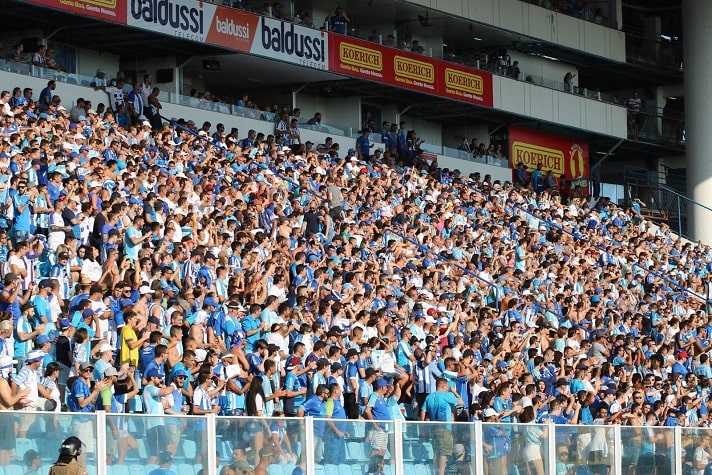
159 351
40 302
82 398
165 460
6 330
104 355
320 376
377 407
203 404
680 366
28 378
438 406
294 391
24 334
119 439
336 432
153 394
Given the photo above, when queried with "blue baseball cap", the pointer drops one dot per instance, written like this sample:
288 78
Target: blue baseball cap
210 301
42 340
153 373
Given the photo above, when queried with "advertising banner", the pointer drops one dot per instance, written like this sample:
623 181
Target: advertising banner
185 19
466 84
563 156
108 10
291 43
202 22
416 72
233 29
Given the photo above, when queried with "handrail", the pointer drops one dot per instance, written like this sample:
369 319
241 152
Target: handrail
425 249
673 283
602 248
526 211
686 198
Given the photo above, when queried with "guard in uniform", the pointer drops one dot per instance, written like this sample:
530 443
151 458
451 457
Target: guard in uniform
67 463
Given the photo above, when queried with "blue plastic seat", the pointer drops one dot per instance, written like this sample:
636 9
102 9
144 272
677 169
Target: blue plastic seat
355 451
184 469
14 469
188 448
137 469
344 469
22 446
275 469
331 469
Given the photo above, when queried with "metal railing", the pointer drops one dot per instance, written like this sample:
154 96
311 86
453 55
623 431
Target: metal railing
682 205
676 285
426 250
656 127
654 54
205 444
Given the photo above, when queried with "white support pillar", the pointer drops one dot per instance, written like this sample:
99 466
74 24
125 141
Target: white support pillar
309 444
551 441
478 453
617 449
212 447
397 452
100 453
677 449
697 23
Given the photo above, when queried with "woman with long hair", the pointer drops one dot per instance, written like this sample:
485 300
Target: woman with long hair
534 436
255 405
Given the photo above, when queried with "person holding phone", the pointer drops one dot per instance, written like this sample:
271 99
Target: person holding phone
338 21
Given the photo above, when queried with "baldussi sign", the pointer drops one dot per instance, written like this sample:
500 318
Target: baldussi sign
291 43
230 28
238 30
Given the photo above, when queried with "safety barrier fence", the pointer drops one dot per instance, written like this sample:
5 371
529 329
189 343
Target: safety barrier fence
205 444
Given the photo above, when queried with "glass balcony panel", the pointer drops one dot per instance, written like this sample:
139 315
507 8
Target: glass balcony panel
243 440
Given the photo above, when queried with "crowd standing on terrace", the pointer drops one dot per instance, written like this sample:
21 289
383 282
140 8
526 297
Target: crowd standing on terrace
250 274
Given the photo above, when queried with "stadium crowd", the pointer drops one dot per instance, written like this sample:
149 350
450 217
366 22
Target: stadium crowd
197 271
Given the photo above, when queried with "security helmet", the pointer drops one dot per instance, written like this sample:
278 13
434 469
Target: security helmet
71 446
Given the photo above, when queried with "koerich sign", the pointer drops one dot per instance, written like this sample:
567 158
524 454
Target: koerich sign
291 43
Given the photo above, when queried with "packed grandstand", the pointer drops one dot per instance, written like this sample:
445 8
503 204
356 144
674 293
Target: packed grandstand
247 277
152 265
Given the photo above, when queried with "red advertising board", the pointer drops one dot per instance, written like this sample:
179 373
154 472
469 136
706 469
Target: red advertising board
561 155
415 72
108 10
233 29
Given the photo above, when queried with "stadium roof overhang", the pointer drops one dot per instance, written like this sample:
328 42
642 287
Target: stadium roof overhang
139 44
